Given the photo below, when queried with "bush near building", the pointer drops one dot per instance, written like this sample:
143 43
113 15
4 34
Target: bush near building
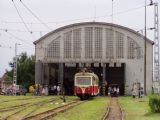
154 103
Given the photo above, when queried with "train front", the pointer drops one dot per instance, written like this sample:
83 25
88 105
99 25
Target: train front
85 85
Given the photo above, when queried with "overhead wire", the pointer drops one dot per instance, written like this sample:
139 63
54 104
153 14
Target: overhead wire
129 10
23 20
15 22
2 46
35 15
17 38
54 22
18 30
63 21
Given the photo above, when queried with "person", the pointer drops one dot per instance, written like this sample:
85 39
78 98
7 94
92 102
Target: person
117 90
134 90
35 91
55 89
109 91
58 90
134 93
31 89
46 90
38 89
43 91
141 93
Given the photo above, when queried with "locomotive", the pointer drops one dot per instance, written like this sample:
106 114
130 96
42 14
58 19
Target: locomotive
86 84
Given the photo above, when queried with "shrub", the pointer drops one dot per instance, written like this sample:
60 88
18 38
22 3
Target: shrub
154 103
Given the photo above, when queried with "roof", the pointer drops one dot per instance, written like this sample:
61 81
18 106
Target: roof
92 23
3 77
87 74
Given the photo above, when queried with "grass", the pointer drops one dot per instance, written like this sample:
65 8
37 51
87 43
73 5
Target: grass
31 110
20 101
136 110
91 110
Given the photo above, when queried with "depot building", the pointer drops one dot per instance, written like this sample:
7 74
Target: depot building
115 53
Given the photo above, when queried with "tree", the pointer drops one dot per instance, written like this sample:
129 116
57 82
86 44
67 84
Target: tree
25 70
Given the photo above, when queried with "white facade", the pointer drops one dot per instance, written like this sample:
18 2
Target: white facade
96 42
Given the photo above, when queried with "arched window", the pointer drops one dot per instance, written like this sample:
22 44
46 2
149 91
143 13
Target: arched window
134 50
53 49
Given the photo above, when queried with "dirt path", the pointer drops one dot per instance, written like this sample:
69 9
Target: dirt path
114 111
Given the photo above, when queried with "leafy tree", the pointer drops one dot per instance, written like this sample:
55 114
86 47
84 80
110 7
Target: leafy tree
25 70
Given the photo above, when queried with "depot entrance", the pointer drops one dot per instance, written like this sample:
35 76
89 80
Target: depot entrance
114 75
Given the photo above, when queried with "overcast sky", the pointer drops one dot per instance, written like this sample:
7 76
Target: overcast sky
57 13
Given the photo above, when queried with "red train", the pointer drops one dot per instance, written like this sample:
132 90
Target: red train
86 85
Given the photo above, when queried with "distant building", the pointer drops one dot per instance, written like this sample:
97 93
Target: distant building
4 84
115 53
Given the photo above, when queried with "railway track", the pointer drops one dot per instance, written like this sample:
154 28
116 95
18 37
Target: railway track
4 109
19 108
114 111
53 112
1 101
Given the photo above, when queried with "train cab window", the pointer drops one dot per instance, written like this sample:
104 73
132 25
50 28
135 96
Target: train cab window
83 80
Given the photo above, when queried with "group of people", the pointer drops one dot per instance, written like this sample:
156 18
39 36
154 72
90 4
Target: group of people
137 90
38 90
113 91
54 90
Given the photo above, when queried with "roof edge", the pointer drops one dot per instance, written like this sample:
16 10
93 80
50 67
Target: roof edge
85 23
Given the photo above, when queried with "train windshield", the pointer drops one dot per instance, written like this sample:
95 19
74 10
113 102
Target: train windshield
83 81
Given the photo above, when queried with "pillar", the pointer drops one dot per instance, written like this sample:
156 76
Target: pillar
39 72
104 83
46 74
61 76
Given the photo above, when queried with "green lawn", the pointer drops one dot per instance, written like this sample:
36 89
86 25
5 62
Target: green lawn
136 110
90 110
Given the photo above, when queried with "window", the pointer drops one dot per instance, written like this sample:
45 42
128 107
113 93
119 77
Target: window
53 49
77 43
109 43
67 44
134 50
88 42
119 45
131 45
98 42
83 81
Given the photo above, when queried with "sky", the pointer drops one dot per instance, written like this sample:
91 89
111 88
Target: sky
25 21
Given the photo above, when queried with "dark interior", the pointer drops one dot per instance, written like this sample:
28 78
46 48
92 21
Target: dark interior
114 75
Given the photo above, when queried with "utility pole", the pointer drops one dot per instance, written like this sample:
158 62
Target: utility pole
145 36
15 70
156 47
145 44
